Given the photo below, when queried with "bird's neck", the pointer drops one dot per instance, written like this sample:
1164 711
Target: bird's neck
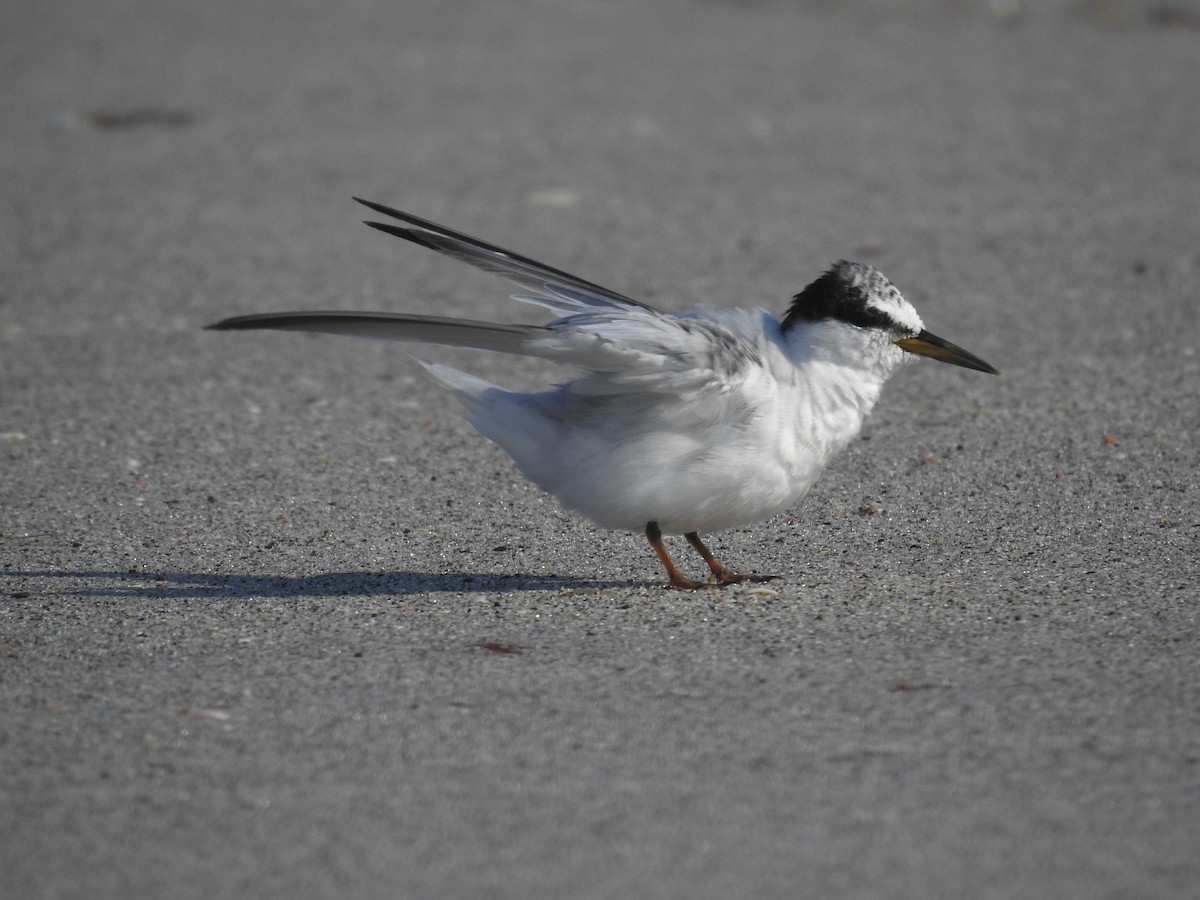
840 372
860 355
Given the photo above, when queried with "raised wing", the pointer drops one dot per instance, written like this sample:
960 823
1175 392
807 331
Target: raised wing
619 343
655 352
617 349
529 273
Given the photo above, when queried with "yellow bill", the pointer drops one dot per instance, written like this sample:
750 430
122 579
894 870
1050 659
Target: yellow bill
926 344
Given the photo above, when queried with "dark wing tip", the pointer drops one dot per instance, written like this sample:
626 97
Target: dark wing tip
240 323
492 258
254 321
377 207
407 234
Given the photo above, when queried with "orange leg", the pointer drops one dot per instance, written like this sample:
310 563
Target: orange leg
678 581
720 574
720 577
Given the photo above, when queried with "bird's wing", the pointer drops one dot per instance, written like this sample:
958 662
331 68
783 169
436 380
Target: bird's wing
621 343
620 350
647 351
559 290
394 327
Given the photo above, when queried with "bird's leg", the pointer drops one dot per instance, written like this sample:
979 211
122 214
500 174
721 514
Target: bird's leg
720 574
678 581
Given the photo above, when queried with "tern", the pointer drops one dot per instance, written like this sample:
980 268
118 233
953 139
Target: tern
678 422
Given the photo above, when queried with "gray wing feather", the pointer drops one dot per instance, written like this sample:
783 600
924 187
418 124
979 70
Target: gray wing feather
528 273
619 340
397 327
635 350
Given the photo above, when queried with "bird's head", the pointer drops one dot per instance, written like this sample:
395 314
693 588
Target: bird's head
859 295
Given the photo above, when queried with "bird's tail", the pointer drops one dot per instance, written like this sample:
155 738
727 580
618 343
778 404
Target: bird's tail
504 417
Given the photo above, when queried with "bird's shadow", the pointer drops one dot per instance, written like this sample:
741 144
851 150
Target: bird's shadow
189 585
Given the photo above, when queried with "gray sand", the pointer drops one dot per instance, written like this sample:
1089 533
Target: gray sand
275 622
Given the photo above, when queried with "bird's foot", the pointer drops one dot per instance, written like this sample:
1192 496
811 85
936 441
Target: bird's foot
726 577
683 583
717 580
720 576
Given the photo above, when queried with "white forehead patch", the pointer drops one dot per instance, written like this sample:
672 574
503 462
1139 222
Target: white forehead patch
885 298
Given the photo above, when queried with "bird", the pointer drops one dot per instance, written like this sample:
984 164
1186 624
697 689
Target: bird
675 423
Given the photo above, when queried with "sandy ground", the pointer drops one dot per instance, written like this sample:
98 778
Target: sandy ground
275 622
